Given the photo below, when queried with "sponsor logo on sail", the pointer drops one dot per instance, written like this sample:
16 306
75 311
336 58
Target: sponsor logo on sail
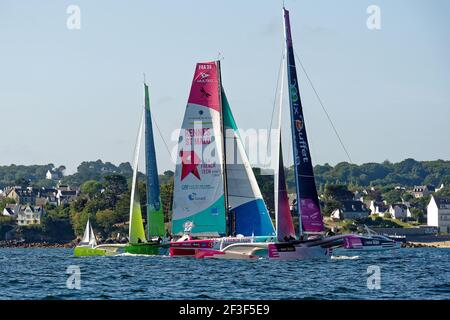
204 93
193 196
189 164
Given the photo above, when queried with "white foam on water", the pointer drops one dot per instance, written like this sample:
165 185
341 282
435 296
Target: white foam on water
344 257
126 254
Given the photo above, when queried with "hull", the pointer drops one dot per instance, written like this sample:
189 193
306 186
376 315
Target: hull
236 251
200 247
320 248
88 252
291 251
147 248
358 244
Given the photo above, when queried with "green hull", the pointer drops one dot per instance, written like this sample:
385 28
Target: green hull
152 248
86 251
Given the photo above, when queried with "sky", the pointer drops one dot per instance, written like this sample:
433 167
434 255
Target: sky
68 96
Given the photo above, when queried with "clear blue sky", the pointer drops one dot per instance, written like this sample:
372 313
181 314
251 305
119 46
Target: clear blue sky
69 96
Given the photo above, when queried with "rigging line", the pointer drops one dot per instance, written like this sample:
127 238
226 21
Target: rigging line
138 133
273 108
324 109
160 134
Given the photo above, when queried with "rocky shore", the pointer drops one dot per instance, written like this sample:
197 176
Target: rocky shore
438 244
23 244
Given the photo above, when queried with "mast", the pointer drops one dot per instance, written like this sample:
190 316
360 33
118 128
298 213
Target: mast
224 154
308 207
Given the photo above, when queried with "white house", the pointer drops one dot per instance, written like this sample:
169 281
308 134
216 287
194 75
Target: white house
398 211
438 213
351 210
29 215
377 207
53 174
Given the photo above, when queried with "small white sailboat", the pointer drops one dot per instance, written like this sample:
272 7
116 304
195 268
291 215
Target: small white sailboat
88 245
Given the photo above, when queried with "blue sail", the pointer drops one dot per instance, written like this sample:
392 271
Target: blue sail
155 215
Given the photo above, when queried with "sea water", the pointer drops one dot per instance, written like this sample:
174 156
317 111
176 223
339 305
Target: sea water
410 273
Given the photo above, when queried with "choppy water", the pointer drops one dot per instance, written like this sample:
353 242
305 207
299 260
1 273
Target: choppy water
41 274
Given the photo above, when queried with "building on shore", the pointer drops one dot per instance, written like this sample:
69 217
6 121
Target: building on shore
378 207
24 215
422 191
351 210
22 195
438 213
29 215
399 211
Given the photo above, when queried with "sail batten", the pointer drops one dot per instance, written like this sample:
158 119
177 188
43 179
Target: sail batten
307 200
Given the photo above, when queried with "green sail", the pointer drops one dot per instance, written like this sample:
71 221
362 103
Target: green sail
137 233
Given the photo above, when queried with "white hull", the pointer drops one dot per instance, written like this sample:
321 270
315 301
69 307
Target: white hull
273 251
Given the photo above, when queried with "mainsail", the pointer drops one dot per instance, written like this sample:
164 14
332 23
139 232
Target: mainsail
88 237
199 201
307 199
247 207
136 225
155 216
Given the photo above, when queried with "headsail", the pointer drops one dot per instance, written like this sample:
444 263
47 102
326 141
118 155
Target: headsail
136 225
155 216
307 199
199 203
247 207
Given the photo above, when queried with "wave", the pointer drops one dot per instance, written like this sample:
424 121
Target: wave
126 254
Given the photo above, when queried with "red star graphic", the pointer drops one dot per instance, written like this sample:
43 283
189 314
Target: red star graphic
189 163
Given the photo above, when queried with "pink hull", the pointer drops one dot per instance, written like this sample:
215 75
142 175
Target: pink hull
190 247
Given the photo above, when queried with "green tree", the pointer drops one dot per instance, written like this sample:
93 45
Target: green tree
393 196
337 193
166 200
91 188
105 219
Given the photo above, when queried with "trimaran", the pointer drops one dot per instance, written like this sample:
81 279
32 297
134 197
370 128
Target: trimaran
218 187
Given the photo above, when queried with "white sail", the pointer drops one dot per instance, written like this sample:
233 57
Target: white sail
136 227
89 237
